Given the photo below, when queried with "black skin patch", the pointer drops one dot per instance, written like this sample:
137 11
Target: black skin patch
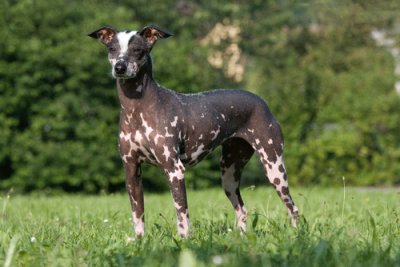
285 190
281 168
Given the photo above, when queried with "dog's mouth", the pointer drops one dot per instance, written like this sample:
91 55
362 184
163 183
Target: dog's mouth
128 74
122 76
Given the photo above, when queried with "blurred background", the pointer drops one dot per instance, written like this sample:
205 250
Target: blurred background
329 70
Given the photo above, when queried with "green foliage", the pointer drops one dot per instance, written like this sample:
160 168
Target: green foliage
314 62
88 230
333 91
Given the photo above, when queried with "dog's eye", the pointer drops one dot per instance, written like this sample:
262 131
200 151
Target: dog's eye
111 49
138 52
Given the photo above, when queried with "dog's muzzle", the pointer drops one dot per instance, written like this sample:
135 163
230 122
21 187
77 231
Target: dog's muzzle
124 69
120 68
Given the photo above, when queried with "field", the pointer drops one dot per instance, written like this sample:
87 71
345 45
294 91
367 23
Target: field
351 227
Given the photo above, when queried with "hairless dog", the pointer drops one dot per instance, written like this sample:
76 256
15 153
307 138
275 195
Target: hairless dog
172 130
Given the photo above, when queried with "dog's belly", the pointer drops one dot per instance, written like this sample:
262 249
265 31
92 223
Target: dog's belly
190 161
196 154
198 144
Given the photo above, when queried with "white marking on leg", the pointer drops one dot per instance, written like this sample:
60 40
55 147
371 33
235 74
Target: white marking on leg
183 226
230 186
177 206
241 217
274 172
139 225
262 153
178 173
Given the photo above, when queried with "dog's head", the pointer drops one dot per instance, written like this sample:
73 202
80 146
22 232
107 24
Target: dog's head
128 51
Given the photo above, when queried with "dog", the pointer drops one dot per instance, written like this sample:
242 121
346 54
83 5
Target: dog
172 130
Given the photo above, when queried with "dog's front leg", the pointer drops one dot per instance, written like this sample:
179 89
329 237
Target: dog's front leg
176 180
135 192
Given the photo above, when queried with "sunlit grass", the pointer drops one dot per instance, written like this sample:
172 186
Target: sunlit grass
362 229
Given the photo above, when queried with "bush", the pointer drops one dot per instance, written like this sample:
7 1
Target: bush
326 82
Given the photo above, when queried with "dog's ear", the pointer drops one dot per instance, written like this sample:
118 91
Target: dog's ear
104 34
152 33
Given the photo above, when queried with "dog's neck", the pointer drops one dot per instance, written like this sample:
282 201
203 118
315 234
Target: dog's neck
134 88
134 92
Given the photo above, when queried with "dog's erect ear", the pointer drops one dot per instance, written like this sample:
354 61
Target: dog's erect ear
152 33
104 34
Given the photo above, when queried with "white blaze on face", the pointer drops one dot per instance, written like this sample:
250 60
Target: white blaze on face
123 40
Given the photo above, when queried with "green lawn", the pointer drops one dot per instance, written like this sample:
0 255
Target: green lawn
73 230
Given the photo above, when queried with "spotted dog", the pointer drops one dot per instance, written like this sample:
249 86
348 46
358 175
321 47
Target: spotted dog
172 130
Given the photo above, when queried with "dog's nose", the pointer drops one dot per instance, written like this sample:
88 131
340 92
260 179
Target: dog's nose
120 68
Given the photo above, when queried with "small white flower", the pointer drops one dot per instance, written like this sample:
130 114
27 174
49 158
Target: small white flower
217 260
229 230
105 221
33 239
130 239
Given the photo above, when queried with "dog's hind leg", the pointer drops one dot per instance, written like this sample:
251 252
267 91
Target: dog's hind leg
236 152
270 150
277 176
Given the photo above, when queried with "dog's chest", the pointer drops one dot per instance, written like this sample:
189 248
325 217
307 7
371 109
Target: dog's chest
161 139
142 137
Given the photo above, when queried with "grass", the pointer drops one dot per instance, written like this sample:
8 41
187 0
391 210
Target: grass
362 229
